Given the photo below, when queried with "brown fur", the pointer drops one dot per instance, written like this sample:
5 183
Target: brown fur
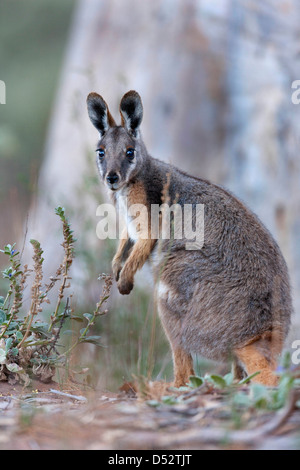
141 249
119 256
260 354
183 367
228 300
135 261
253 361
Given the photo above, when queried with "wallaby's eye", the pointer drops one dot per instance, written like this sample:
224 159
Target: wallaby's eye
130 154
100 153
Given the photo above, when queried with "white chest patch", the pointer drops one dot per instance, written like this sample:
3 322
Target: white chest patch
122 207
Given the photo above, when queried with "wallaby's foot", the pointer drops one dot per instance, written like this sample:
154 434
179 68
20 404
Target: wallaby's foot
125 285
267 378
255 361
179 383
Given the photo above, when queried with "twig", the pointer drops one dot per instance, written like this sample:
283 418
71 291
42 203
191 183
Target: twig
25 236
68 395
60 326
68 247
35 289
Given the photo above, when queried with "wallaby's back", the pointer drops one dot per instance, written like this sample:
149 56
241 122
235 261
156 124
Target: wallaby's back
237 284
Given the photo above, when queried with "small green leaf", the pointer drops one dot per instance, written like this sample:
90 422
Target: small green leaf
1 300
250 377
241 399
76 318
42 329
218 381
92 339
259 395
286 383
60 211
153 403
40 324
14 367
2 317
169 400
8 344
195 381
8 273
88 316
14 351
286 360
229 378
19 336
180 389
2 356
68 332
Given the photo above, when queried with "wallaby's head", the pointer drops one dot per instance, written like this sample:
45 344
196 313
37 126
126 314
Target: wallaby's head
120 150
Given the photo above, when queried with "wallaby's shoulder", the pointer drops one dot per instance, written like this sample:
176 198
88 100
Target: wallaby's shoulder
184 187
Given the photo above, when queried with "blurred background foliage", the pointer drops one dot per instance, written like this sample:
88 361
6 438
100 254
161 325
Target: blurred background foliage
215 78
33 37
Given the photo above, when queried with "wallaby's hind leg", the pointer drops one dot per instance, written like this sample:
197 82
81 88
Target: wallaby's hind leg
261 356
183 367
171 321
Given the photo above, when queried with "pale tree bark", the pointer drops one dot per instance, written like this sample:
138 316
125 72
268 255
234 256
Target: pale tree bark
263 133
215 78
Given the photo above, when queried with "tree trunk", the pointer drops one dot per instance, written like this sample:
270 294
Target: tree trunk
262 153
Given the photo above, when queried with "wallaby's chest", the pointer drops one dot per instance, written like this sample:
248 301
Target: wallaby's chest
123 208
131 201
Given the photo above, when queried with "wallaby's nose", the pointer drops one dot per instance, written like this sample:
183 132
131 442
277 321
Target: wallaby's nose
112 178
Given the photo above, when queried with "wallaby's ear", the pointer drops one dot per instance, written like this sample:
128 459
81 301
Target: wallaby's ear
131 110
99 113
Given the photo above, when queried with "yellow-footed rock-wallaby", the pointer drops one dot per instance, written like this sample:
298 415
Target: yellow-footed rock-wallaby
227 298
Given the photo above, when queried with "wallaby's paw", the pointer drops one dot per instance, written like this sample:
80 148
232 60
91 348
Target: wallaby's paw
125 286
116 268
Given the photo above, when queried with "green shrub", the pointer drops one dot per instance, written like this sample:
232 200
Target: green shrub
28 345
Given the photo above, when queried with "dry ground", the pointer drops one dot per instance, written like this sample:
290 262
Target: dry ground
45 417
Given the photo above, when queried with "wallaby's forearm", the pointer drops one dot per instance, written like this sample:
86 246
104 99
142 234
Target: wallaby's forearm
123 251
136 260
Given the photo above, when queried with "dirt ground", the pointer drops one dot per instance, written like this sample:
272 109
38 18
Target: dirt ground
43 417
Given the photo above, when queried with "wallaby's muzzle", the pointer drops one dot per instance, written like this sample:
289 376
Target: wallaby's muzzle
112 180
